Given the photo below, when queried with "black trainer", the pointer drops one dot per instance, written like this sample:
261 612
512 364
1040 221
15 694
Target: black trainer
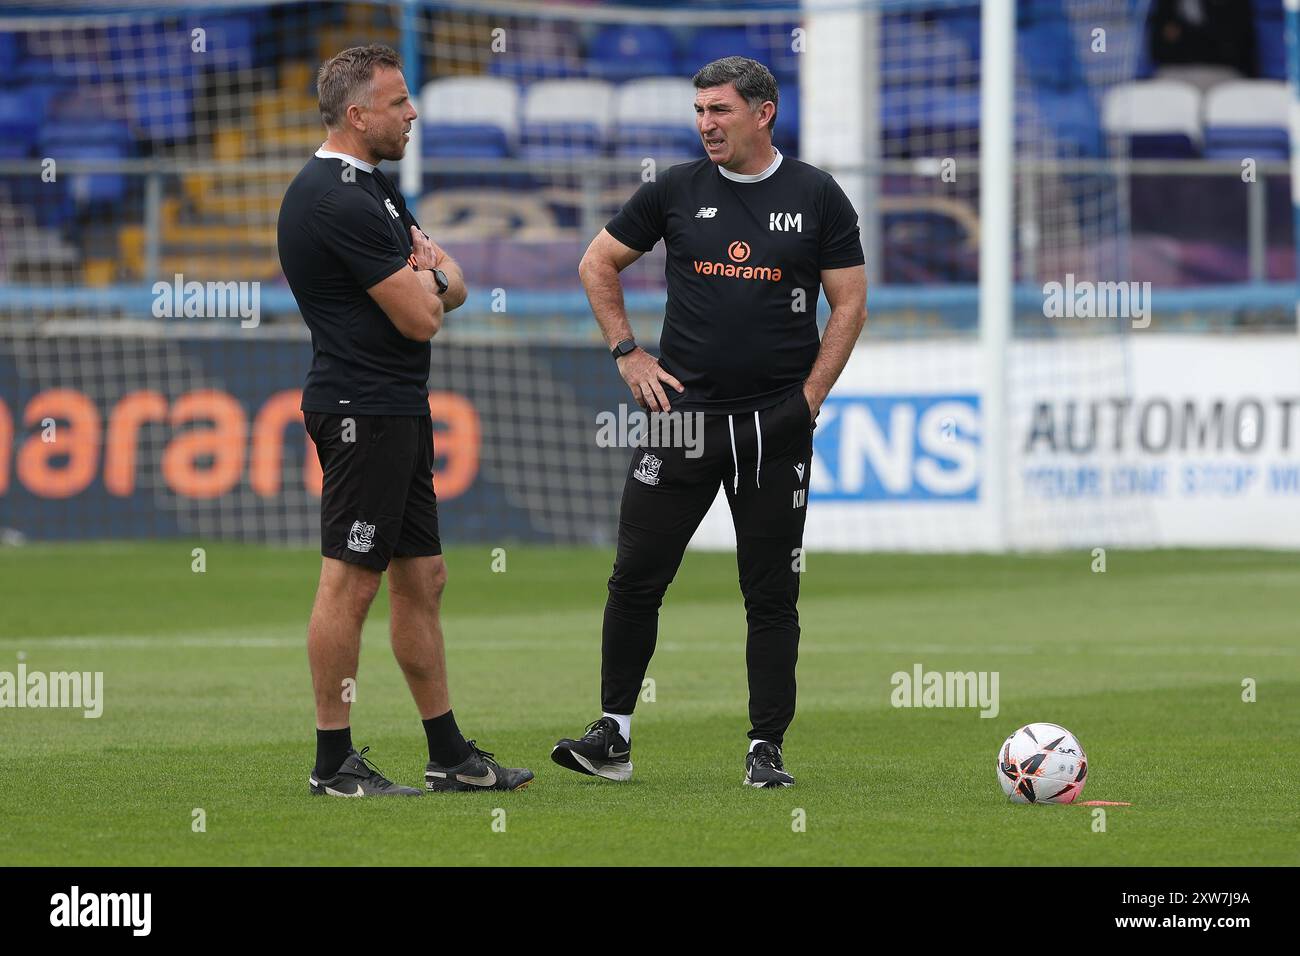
358 777
478 771
763 767
602 752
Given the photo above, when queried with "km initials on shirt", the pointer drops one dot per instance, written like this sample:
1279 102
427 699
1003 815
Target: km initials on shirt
785 222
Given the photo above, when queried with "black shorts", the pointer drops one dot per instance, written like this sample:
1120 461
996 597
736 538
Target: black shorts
377 499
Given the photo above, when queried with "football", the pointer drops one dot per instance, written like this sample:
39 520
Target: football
1042 763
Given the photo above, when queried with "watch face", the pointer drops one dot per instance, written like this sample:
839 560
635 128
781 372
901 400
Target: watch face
440 277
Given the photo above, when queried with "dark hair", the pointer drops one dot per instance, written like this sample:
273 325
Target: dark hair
345 79
752 80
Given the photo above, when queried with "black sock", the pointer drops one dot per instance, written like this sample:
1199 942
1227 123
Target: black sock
447 747
332 748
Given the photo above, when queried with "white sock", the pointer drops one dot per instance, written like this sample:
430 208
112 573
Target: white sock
755 743
624 722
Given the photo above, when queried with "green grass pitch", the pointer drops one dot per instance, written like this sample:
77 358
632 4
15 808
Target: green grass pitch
208 705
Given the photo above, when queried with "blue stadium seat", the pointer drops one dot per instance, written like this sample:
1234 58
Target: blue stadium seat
20 123
1270 41
914 115
786 134
464 140
1048 51
1247 118
89 139
1071 121
962 24
162 114
622 52
782 60
469 116
548 50
713 43
231 41
914 53
8 49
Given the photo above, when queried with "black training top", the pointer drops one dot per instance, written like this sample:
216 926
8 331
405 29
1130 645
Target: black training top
736 332
342 230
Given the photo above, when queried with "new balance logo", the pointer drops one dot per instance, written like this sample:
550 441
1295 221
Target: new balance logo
361 537
798 470
800 497
785 222
707 212
648 470
392 210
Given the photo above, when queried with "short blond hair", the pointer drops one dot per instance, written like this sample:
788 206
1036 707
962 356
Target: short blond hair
346 79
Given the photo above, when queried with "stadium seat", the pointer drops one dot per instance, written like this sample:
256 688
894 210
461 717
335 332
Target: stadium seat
961 23
713 43
1270 40
786 135
20 119
1247 118
1048 50
1159 118
922 116
655 116
8 49
231 40
621 52
546 50
913 53
567 119
162 113
469 116
1066 125
89 139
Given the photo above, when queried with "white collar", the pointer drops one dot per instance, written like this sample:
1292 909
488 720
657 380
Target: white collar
360 164
753 177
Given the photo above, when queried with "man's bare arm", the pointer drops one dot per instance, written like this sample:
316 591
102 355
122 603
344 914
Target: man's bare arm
428 255
846 291
410 300
605 258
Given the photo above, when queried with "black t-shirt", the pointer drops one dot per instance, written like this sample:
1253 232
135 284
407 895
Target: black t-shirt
341 231
736 254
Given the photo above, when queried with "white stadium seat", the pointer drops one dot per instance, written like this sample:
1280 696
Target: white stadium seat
1248 103
472 100
661 100
570 101
1167 112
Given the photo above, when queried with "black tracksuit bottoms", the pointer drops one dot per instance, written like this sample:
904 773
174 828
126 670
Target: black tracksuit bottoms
763 460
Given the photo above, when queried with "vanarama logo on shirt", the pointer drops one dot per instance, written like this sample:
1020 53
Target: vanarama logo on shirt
738 252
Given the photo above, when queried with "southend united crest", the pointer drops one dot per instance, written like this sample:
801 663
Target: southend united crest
648 470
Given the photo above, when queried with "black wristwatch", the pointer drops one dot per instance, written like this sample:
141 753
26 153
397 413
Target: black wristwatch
627 345
440 277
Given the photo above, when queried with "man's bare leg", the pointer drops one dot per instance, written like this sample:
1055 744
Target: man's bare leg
415 587
343 597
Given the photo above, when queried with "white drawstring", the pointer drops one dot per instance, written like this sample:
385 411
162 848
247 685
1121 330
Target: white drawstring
758 431
735 462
